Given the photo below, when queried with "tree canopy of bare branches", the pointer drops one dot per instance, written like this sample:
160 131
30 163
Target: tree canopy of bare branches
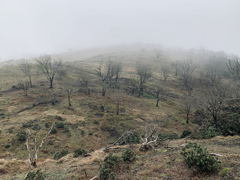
144 74
26 68
48 67
234 69
186 72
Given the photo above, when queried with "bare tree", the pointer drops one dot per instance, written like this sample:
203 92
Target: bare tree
234 69
48 67
214 99
188 102
176 67
186 72
84 82
24 85
159 90
144 74
26 68
109 73
165 72
213 76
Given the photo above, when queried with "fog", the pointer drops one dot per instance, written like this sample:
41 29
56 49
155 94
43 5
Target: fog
29 28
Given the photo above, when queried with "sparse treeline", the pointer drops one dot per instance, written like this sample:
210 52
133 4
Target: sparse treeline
206 81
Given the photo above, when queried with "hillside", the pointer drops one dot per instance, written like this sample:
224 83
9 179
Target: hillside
93 121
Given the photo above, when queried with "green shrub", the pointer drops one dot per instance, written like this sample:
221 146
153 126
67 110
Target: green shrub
47 125
128 156
96 122
211 132
59 118
60 154
79 152
82 132
22 135
198 157
111 164
7 146
36 127
50 142
27 124
35 175
106 174
186 133
90 134
60 125
167 136
66 129
130 138
53 131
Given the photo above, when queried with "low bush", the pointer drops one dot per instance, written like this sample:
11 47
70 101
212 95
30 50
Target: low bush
185 133
164 136
79 152
128 156
53 131
7 146
60 125
22 135
108 168
27 124
38 175
60 154
130 138
36 127
198 157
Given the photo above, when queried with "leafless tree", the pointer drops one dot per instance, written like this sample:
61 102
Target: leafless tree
186 72
48 67
144 74
214 99
165 72
84 82
159 91
212 76
24 85
109 73
26 68
176 66
234 69
188 102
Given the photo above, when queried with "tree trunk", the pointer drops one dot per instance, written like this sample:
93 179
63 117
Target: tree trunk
51 83
187 117
157 102
117 108
30 81
103 91
69 100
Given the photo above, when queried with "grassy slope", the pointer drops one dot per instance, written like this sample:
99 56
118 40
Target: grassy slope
90 128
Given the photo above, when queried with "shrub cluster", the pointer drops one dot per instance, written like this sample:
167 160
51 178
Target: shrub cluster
198 157
38 175
130 138
60 154
112 164
60 125
79 152
186 133
22 135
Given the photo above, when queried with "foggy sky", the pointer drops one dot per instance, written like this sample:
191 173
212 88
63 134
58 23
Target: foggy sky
30 27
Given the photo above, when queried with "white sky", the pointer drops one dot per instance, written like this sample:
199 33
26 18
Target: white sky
32 27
